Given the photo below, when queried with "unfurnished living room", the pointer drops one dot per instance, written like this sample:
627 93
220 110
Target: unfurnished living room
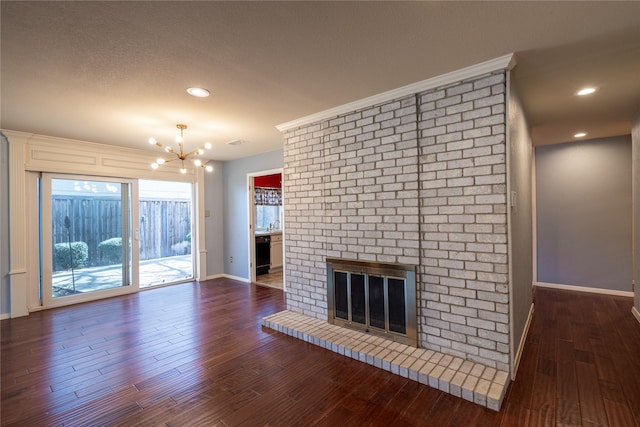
320 213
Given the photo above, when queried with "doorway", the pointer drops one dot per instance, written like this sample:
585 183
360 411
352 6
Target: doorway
102 236
266 220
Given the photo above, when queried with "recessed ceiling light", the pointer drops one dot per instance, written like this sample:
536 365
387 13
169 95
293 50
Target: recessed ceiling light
586 91
580 134
198 91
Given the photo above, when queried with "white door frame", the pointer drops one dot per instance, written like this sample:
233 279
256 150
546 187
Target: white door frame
251 220
132 214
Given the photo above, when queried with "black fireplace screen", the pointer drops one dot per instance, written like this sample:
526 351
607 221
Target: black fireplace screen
373 297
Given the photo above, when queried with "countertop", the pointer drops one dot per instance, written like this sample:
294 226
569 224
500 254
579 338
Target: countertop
268 233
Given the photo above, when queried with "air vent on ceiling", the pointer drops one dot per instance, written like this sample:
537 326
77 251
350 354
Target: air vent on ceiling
237 142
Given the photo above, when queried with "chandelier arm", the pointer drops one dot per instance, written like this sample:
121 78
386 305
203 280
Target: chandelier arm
171 159
193 152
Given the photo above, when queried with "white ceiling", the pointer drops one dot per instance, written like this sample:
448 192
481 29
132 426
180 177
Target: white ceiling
116 72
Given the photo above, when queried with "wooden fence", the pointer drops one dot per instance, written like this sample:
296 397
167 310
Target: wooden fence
165 225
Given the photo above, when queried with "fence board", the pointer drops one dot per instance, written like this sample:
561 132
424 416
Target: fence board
164 224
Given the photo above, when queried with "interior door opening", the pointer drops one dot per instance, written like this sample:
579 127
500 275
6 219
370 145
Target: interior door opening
266 221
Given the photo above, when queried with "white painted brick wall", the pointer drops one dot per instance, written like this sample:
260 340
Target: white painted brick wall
470 278
420 181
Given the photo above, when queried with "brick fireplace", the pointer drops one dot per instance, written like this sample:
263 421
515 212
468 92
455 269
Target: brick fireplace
418 180
421 181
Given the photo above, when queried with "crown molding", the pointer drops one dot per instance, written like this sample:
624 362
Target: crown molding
506 62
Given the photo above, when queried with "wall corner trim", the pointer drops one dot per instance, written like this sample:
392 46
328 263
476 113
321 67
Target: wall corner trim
506 62
523 340
636 313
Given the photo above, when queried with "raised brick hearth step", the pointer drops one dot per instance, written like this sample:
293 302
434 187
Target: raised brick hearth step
475 382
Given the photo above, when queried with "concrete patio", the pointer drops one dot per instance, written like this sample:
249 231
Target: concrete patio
152 272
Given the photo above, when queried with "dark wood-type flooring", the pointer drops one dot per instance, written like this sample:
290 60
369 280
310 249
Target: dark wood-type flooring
196 355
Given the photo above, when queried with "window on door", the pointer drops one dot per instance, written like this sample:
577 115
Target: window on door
165 232
86 230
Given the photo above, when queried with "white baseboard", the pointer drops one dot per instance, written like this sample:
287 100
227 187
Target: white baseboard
523 339
4 316
238 278
228 276
585 289
636 313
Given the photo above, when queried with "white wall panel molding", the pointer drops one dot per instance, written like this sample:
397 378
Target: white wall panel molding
17 227
30 154
61 155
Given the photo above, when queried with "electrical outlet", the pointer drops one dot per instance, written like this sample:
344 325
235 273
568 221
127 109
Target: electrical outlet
230 260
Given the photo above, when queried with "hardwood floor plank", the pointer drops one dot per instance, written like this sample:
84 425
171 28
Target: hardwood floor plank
591 402
195 354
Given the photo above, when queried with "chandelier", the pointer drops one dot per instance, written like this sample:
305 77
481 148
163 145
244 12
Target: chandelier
180 153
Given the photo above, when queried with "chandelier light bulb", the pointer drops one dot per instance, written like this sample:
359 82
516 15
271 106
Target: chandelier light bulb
183 170
179 139
168 150
197 162
154 166
200 151
207 145
209 168
160 161
152 141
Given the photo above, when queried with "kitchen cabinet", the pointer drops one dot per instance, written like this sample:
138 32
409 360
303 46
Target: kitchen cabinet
276 251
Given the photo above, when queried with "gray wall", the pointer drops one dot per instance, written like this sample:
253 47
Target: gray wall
214 223
520 157
584 211
4 225
235 206
636 207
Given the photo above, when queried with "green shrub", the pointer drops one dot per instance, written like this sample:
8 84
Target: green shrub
111 251
62 256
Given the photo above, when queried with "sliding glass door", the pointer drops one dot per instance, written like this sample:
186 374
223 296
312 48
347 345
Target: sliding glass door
108 236
87 244
165 232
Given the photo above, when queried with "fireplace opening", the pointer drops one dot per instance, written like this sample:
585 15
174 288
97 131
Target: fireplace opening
376 298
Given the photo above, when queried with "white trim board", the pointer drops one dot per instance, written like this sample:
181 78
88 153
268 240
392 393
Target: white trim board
4 316
523 339
228 276
238 278
585 289
506 62
635 313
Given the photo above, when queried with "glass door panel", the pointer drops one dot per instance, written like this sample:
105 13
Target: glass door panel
165 210
89 247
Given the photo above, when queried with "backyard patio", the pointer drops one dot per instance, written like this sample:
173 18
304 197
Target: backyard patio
152 272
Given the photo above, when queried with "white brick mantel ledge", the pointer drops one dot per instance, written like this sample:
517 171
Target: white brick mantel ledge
471 381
